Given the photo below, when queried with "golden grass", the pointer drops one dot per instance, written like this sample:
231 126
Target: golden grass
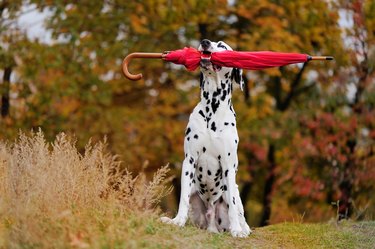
51 196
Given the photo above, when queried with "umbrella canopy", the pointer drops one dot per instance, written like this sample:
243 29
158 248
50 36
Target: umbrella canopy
190 58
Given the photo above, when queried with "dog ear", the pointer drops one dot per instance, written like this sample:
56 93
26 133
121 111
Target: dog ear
201 80
236 76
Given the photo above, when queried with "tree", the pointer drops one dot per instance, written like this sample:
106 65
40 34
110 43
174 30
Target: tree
8 35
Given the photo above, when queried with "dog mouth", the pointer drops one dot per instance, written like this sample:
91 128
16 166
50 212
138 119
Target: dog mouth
207 65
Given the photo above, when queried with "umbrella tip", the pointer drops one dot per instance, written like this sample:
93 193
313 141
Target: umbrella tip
327 58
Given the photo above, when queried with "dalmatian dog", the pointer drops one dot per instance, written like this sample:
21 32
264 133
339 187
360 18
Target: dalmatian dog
209 193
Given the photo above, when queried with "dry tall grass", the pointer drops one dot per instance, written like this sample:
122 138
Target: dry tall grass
51 196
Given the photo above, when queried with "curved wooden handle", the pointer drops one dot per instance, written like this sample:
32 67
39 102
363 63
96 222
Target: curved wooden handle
128 58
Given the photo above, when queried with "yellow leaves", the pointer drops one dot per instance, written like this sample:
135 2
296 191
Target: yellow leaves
66 106
50 76
138 23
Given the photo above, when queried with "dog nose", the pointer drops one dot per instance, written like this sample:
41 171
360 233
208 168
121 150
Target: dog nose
205 44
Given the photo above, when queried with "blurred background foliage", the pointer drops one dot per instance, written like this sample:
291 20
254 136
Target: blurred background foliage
306 131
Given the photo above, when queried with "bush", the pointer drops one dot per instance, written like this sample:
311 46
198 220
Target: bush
52 196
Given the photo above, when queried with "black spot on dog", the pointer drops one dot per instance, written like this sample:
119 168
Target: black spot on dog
235 141
200 169
215 104
215 193
218 172
217 93
204 149
224 95
226 123
211 190
205 94
208 172
225 188
222 85
191 175
228 153
191 160
207 109
186 173
232 124
226 75
213 127
188 131
226 173
217 184
188 138
219 221
219 157
234 201
196 136
201 113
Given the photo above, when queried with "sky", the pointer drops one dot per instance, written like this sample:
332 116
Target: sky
32 21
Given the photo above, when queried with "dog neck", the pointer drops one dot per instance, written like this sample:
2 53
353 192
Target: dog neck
216 92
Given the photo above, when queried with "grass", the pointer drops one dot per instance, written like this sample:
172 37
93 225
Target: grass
51 196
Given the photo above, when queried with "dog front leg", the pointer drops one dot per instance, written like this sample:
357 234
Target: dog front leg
230 196
187 178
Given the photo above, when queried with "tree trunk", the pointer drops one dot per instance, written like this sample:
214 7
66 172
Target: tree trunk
5 92
270 179
244 195
346 185
203 30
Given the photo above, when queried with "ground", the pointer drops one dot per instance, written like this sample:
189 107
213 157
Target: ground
285 235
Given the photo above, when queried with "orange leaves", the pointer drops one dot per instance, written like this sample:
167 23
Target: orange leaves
66 106
50 76
138 23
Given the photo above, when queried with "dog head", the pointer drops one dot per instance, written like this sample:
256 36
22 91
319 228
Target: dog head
208 69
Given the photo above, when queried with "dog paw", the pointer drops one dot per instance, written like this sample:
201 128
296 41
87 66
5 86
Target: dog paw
175 221
240 233
246 229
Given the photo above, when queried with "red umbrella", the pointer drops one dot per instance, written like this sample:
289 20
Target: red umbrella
190 58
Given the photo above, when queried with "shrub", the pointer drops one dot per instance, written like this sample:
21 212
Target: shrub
52 196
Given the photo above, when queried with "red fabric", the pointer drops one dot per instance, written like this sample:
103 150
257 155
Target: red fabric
190 58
